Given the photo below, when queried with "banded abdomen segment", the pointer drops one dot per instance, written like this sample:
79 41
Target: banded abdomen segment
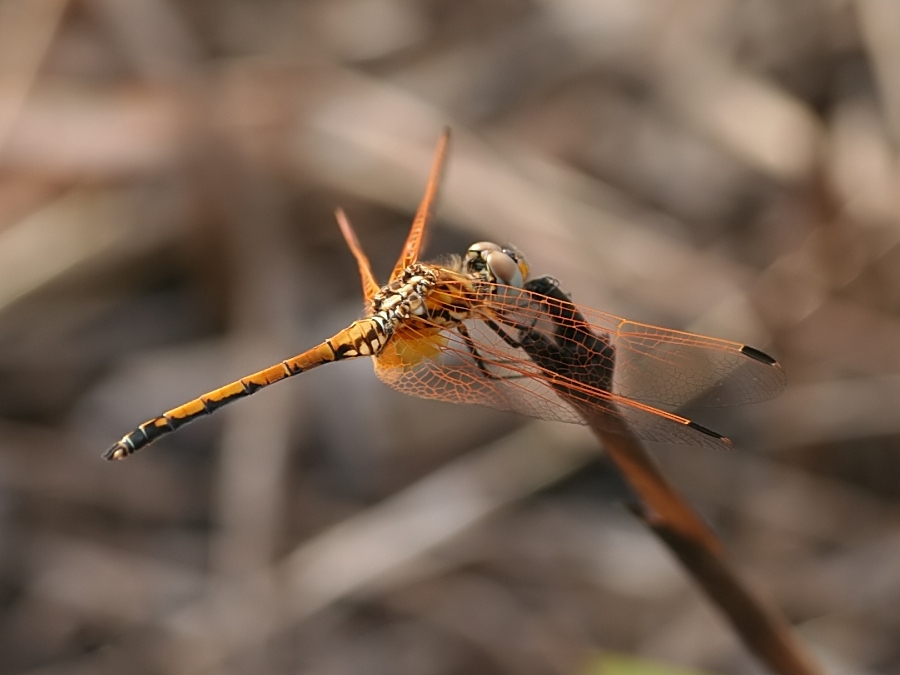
365 337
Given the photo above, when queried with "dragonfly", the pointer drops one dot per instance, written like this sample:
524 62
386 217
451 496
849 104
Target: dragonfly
478 329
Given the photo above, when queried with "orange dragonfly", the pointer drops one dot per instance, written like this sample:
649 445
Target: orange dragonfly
478 329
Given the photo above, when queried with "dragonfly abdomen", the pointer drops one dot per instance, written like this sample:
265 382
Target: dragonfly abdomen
365 337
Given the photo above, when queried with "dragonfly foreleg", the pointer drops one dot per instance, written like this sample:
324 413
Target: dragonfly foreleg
473 350
506 337
476 356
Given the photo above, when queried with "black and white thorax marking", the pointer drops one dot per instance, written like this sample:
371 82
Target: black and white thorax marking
404 296
402 300
440 296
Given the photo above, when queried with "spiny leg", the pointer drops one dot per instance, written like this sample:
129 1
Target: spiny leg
473 350
506 337
476 356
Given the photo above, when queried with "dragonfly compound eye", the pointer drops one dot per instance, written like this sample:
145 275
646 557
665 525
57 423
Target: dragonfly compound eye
505 268
519 258
476 258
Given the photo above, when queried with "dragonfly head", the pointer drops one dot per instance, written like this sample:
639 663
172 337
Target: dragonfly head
496 264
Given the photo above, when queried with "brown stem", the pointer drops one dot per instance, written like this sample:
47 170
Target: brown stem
762 628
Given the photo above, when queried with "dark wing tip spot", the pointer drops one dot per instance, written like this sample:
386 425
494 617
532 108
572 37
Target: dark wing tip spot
757 355
709 432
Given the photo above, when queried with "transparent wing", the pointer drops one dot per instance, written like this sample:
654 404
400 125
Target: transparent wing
664 368
503 379
545 357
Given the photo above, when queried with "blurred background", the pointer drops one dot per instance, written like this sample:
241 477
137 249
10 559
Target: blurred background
168 176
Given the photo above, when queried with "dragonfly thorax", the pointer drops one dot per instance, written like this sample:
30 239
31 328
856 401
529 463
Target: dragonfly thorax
405 296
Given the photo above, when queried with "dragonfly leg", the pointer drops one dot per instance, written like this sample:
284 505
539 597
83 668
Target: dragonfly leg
506 337
473 350
476 356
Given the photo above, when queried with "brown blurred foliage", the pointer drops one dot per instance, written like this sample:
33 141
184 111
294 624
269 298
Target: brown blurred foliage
168 175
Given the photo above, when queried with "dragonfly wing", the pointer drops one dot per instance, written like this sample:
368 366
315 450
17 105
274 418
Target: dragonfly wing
663 368
369 285
671 369
499 379
425 213
476 365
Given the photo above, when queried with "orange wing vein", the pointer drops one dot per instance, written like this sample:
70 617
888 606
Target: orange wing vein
369 286
425 212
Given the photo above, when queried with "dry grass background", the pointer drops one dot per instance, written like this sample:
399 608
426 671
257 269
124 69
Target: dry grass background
168 173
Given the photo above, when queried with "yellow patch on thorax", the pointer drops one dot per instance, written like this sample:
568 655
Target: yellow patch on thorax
411 344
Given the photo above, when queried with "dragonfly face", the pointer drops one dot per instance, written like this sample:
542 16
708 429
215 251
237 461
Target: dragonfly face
497 264
480 330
